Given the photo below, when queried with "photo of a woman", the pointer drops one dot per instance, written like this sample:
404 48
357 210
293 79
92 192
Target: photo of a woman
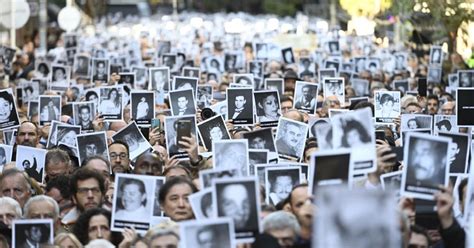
268 107
111 106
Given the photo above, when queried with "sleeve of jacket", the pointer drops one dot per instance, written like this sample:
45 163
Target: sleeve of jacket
453 236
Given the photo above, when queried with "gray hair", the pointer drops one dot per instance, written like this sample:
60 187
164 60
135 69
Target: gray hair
99 243
281 220
39 198
5 200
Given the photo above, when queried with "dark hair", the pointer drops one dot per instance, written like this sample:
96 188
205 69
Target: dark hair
354 125
421 230
29 88
117 100
84 107
165 189
81 227
386 98
87 160
461 186
91 93
285 98
206 201
139 183
82 174
60 183
413 119
9 98
432 97
444 123
120 142
55 156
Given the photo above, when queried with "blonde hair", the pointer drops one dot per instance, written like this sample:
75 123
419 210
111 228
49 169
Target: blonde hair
63 236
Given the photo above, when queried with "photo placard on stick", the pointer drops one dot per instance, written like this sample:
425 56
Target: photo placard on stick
387 106
426 165
50 109
84 115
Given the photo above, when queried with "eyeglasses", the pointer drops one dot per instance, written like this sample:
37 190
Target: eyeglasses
121 155
84 191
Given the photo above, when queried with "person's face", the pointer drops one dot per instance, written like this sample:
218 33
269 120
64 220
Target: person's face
176 204
465 82
258 143
91 150
301 206
158 77
285 237
59 75
85 115
387 106
206 239
423 160
165 241
240 101
283 186
50 103
412 124
270 106
288 56
285 106
216 133
353 137
88 194
100 68
119 164
432 106
454 150
15 187
418 240
7 214
69 138
113 94
307 93
34 234
235 204
41 210
5 109
182 102
99 228
293 135
132 197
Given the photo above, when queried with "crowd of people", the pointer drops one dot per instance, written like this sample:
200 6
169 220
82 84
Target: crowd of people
142 185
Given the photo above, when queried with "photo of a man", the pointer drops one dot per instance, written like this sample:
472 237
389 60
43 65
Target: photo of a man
92 144
305 97
240 106
84 114
182 102
100 71
215 233
32 233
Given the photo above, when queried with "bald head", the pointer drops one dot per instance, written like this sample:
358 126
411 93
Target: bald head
149 163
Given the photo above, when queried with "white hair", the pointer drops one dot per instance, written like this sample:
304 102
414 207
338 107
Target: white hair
280 220
99 243
5 200
39 198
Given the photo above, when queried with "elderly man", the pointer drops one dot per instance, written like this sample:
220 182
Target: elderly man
303 209
15 184
9 210
42 207
283 226
448 108
57 163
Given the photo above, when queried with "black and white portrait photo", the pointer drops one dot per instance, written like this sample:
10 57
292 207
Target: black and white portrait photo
28 233
230 62
131 135
330 167
231 154
444 123
453 80
459 151
43 68
32 108
334 87
206 177
261 139
466 78
100 71
81 66
257 156
141 82
436 55
290 139
177 127
214 65
6 152
159 79
110 106
261 50
211 130
204 96
275 84
255 67
215 233
346 218
8 111
401 85
50 108
326 73
63 133
279 182
267 106
84 115
387 106
240 106
306 68
392 181
239 199
287 55
464 107
305 97
184 83
127 78
194 72
92 144
182 102
202 205
159 181
360 86
31 160
60 77
372 65
332 64
434 74
244 79
416 121
133 201
426 165
168 60
333 47
142 106
400 61
359 63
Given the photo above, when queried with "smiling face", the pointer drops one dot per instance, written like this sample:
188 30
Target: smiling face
5 109
132 198
235 204
283 186
69 138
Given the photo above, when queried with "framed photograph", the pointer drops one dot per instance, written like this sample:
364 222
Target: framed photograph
261 139
206 177
240 106
416 121
141 73
231 154
426 165
392 181
202 205
290 139
334 87
8 111
110 106
184 83
50 108
267 108
31 160
133 137
177 127
338 225
330 168
244 80
211 130
436 55
84 115
32 232
142 107
275 84
287 55
134 201
460 148
444 123
466 78
207 233
81 66
182 102
387 106
279 182
242 193
464 107
92 144
305 97
100 71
